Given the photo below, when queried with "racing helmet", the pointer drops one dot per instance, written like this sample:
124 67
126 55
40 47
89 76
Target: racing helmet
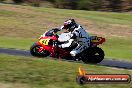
69 24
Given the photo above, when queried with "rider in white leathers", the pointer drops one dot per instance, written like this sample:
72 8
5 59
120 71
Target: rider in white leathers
78 35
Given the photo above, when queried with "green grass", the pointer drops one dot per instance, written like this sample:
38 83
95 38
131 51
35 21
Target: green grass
31 72
16 43
105 17
7 13
21 26
118 48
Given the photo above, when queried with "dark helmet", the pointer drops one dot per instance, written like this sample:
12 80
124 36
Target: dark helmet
69 24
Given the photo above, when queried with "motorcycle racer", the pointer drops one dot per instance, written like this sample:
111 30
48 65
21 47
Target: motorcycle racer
73 43
78 35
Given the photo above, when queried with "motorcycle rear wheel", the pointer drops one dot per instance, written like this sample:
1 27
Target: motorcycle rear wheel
94 55
34 50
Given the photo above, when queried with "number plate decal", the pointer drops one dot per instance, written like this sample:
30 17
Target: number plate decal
44 41
97 39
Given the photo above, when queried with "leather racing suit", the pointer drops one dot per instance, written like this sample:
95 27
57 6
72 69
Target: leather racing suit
79 36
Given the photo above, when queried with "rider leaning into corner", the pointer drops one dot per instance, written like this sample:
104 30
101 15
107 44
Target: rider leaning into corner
78 35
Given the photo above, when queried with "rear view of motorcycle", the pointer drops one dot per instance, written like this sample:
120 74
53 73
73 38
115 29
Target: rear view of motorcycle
48 46
94 54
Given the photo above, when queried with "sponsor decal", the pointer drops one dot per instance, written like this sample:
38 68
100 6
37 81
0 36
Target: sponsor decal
83 78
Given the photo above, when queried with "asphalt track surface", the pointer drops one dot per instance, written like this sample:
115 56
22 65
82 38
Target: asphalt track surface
109 63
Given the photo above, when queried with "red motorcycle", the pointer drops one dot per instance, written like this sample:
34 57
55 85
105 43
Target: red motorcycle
48 46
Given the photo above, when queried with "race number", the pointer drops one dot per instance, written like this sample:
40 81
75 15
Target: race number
44 41
97 39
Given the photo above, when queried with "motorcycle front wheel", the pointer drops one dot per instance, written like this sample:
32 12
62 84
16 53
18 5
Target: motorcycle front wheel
34 50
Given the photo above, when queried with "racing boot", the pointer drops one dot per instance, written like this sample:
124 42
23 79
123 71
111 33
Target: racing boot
76 58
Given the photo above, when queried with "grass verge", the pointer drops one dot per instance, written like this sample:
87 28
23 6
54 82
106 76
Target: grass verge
46 73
